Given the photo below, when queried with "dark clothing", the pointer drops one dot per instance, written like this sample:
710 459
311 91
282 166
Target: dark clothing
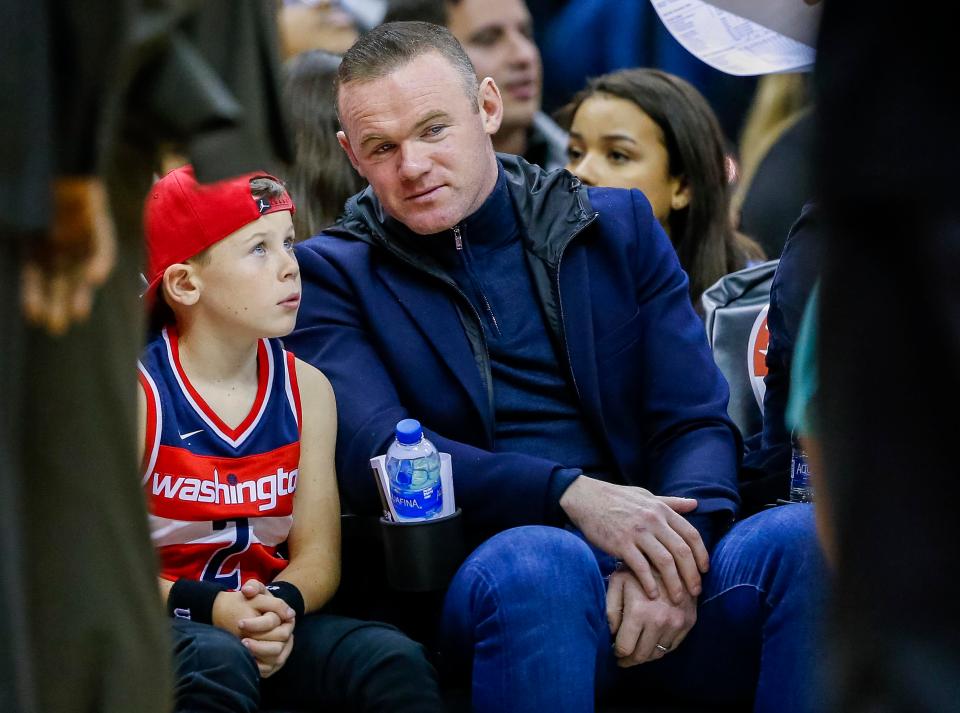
796 274
781 186
92 89
889 348
766 468
535 406
633 36
337 664
395 335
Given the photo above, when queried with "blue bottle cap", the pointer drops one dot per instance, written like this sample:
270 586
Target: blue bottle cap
409 431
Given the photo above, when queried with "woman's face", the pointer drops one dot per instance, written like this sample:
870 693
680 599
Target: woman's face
614 143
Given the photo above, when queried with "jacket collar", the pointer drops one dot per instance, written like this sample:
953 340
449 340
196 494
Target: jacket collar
552 207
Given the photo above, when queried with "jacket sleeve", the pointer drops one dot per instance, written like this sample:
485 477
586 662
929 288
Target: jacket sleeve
495 490
691 447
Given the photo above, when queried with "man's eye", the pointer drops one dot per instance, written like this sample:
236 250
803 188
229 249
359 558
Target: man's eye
259 249
382 148
487 38
288 244
436 130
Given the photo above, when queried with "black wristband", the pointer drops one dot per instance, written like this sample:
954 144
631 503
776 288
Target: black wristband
193 600
290 594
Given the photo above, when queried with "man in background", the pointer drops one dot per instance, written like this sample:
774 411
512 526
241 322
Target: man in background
498 37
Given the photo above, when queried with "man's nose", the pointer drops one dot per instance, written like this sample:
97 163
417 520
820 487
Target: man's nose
522 49
414 160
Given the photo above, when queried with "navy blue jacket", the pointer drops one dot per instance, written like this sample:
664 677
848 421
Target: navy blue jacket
397 338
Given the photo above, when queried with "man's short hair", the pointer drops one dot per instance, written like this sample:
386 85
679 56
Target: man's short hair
392 45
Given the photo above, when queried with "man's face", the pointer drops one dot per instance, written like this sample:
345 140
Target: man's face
421 143
498 37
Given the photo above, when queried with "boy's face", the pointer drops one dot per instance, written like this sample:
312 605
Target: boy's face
250 280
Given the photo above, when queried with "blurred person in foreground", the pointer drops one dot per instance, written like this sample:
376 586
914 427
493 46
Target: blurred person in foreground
889 350
102 90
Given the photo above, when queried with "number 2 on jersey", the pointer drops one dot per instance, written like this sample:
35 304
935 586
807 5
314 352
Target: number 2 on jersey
212 573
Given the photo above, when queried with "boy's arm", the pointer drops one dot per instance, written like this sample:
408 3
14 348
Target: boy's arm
314 542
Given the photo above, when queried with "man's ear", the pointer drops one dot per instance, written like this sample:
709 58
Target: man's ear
490 104
181 284
345 145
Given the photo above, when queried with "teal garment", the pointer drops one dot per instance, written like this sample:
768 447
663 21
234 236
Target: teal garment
805 377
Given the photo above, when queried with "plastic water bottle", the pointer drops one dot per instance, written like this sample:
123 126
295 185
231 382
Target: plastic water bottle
413 467
800 489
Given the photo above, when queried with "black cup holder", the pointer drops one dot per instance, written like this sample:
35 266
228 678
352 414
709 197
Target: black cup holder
423 556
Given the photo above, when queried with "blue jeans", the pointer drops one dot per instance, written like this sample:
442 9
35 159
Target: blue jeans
527 612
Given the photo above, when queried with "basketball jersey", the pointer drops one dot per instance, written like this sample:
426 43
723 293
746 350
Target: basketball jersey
220 498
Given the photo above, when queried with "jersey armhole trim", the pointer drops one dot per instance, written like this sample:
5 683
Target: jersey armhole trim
293 390
154 423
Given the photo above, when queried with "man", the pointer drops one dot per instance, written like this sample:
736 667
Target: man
543 335
498 37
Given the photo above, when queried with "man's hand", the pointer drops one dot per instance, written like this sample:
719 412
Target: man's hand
263 623
640 623
62 273
642 529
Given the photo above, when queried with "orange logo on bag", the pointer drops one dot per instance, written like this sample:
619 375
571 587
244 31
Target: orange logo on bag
757 354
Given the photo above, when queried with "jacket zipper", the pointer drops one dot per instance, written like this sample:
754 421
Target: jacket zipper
563 325
458 243
476 315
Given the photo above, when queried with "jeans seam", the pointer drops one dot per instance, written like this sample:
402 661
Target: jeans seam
737 586
486 577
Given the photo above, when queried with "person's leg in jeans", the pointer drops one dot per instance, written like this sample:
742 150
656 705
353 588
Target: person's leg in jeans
526 610
347 664
213 672
757 622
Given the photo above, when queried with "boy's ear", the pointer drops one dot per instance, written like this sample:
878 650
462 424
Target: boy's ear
181 284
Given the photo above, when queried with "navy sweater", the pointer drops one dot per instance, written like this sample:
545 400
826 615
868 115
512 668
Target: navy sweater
535 408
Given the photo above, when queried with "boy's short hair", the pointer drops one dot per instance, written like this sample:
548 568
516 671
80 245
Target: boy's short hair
183 217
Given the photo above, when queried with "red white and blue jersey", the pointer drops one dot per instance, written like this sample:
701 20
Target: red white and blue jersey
220 498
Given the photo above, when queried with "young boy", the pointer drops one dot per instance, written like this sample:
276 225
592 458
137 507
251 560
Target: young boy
238 461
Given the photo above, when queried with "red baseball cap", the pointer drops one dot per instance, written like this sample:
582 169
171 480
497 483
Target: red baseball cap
182 218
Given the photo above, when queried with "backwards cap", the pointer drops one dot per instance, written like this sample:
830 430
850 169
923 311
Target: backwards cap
183 218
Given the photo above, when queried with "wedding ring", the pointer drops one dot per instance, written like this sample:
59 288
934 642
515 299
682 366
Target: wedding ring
662 649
